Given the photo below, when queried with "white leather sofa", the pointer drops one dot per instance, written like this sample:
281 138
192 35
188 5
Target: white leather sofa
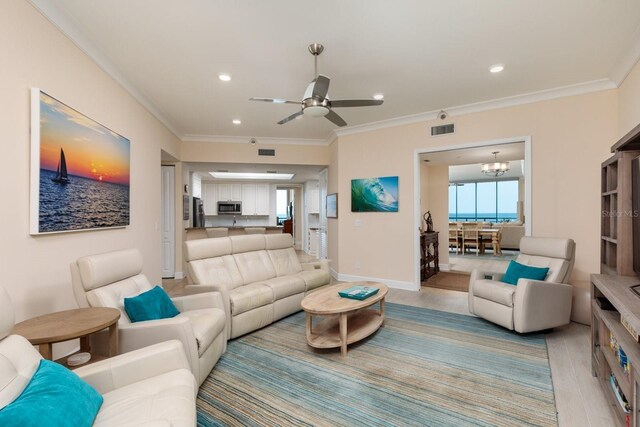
259 276
511 235
104 280
152 386
531 305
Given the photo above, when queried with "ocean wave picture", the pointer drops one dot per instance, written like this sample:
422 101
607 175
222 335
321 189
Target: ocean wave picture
83 171
374 194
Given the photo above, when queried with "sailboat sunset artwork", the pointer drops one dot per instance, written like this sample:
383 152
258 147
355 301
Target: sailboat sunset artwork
80 170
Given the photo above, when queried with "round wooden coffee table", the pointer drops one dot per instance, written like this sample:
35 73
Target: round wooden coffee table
46 330
347 320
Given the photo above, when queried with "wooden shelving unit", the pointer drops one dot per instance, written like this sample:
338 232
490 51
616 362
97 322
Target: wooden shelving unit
612 298
616 220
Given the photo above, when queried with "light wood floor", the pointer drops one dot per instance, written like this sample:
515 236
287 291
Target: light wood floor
579 399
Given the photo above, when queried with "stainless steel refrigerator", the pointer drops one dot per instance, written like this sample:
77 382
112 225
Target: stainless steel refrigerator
198 212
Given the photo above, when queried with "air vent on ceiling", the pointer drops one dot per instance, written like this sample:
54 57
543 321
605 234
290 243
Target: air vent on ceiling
266 152
442 129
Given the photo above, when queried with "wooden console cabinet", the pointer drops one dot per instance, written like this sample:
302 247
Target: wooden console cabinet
606 327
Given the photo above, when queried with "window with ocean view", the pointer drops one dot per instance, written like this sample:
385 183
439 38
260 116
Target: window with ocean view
491 201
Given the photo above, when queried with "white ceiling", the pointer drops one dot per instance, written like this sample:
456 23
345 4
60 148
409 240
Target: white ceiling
424 55
301 173
464 164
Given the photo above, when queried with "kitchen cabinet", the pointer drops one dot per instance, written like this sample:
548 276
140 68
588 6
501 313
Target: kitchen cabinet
255 199
312 241
313 201
210 199
230 192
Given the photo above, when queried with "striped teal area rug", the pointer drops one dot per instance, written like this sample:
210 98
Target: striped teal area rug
423 368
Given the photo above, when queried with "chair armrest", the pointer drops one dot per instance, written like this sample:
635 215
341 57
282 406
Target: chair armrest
479 275
224 294
138 365
141 334
540 305
321 264
199 301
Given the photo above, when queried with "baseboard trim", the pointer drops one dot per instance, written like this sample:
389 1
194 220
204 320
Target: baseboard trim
395 284
444 267
179 275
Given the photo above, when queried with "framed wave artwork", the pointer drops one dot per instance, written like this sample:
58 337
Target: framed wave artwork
374 194
80 170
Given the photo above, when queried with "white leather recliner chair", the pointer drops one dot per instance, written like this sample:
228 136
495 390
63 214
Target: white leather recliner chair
152 386
104 280
532 305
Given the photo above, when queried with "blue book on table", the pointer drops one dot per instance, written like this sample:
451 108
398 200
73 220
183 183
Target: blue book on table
358 292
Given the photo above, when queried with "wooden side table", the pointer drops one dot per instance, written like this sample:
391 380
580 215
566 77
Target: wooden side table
46 330
429 254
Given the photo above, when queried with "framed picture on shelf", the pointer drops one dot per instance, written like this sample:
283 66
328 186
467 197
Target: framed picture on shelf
332 205
80 170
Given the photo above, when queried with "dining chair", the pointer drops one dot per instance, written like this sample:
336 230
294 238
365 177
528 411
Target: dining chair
454 238
471 237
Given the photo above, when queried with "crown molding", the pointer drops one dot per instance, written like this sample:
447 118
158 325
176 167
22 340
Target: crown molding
50 12
511 101
625 64
259 140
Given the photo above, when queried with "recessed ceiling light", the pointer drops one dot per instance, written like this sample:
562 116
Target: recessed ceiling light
378 96
237 122
224 77
496 68
251 175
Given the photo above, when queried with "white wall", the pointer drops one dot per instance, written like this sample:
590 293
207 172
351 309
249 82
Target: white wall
35 270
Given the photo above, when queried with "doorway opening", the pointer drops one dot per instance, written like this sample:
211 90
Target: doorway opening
449 183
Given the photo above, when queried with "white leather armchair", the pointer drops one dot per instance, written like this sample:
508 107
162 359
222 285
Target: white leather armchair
104 280
532 305
152 386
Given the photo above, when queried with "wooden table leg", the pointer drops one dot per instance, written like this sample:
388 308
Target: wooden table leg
85 346
343 334
46 350
382 311
309 326
113 340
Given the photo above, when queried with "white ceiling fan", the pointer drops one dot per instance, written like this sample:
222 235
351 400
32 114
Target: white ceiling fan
315 102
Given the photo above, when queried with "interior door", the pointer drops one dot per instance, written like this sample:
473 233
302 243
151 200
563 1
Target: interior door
168 222
322 226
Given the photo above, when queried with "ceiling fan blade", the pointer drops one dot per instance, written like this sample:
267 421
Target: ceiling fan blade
321 87
356 103
336 119
274 100
291 117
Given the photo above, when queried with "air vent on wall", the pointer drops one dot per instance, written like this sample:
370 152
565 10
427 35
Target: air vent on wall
442 129
266 152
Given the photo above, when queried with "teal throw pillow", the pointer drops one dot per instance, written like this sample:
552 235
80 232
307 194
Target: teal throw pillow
153 304
55 396
517 271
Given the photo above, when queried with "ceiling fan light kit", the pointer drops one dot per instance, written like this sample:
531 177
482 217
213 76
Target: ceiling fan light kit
315 101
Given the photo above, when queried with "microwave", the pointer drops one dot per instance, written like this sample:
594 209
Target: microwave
229 208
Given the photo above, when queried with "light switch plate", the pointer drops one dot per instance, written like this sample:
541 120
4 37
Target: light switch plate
358 223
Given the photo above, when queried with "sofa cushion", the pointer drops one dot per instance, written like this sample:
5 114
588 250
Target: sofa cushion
164 397
278 241
247 243
19 360
285 261
54 396
497 292
99 270
153 304
557 267
285 286
254 266
516 271
314 278
207 248
207 324
216 271
248 297
113 295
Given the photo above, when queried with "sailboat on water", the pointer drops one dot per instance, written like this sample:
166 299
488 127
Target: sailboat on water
61 174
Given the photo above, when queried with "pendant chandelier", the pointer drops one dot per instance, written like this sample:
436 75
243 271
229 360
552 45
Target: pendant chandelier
496 168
